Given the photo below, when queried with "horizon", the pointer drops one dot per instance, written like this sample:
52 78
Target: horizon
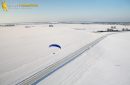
64 22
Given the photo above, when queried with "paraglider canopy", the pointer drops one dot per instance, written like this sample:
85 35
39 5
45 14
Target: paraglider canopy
54 48
55 45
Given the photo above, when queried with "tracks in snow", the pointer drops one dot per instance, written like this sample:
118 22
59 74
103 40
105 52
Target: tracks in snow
37 77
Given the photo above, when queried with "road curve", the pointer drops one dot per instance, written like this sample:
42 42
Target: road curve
37 77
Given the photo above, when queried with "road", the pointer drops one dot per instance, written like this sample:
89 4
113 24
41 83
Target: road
37 77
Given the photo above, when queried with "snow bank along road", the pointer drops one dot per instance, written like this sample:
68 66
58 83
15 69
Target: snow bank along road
37 77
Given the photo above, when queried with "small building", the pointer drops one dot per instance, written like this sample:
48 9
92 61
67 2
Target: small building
51 25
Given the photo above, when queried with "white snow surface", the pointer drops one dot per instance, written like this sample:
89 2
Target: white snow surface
25 51
107 63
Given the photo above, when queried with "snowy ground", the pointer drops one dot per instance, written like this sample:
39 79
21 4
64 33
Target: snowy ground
25 51
105 64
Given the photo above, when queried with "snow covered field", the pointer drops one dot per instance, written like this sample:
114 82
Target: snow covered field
25 51
105 64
